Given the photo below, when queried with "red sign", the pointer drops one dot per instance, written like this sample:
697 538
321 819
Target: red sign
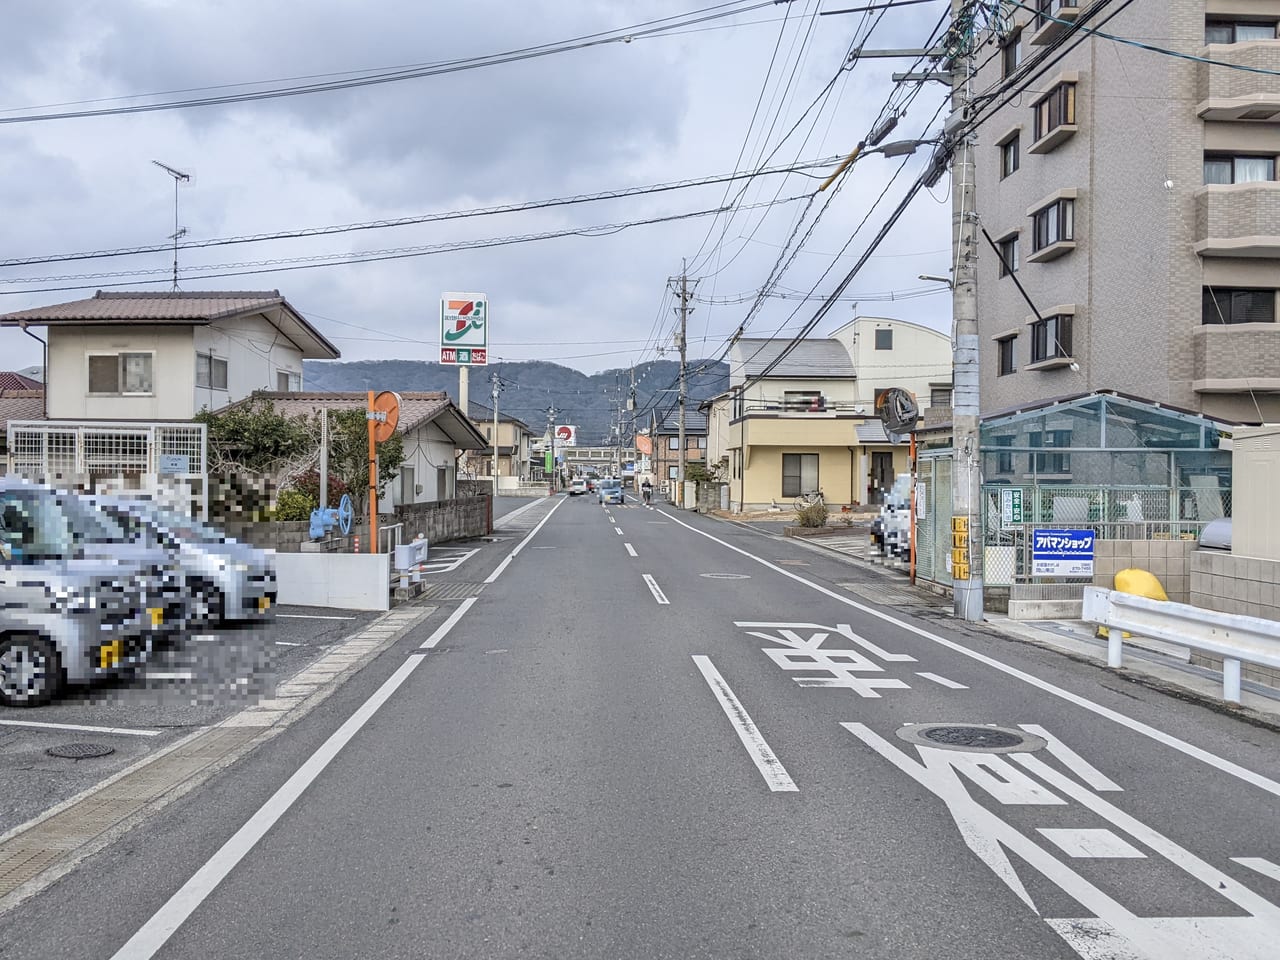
464 355
479 355
448 354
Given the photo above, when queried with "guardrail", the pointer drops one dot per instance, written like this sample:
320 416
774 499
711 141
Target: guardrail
1231 636
395 536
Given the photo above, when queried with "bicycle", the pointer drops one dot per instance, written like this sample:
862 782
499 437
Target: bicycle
808 499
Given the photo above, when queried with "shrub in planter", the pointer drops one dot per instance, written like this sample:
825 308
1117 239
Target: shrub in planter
814 515
294 505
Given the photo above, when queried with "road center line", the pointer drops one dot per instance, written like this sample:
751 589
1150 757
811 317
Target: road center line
631 550
1182 746
656 590
766 761
506 561
79 727
619 530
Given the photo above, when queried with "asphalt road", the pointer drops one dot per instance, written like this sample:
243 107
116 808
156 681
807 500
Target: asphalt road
653 735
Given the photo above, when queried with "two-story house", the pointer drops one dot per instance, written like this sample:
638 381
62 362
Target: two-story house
664 438
514 439
164 356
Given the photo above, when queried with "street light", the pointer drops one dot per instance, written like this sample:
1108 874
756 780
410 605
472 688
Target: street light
932 278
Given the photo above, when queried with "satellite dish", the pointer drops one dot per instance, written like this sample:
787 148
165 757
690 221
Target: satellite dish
386 410
898 410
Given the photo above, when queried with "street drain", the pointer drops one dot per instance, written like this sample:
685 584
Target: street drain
726 576
971 738
80 751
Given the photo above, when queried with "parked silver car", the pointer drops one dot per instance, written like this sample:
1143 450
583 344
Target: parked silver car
226 580
64 618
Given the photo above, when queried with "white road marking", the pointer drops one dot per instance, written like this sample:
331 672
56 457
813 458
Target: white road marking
1077 764
766 761
1261 865
618 530
949 684
1097 843
1137 726
207 638
286 643
655 589
170 675
631 550
520 546
443 630
79 727
308 616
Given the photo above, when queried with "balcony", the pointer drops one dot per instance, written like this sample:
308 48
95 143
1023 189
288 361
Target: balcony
1238 220
1225 94
1232 358
1046 30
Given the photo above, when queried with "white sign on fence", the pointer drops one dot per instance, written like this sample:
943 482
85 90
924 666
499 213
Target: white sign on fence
1010 506
922 512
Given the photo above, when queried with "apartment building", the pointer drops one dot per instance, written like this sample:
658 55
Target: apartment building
1135 196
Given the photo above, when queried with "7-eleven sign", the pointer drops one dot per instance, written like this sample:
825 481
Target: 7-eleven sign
464 328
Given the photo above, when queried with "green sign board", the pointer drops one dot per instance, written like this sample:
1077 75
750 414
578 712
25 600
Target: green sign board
1011 506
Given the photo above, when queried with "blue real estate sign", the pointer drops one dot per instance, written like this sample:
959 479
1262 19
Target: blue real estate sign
1062 553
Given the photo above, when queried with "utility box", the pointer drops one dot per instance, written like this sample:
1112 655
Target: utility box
1255 509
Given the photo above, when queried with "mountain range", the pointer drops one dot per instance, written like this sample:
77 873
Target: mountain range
528 388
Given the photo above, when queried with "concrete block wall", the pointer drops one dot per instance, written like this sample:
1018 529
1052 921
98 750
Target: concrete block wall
1230 584
446 519
1168 560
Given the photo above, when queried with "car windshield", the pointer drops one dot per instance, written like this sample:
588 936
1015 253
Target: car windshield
180 525
36 525
90 524
611 484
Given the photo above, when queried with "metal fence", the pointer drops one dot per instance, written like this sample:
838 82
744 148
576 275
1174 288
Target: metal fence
167 459
1011 513
933 523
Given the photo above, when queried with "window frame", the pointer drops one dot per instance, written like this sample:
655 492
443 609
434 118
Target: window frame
1010 156
210 380
121 358
1228 318
797 477
1064 211
1234 159
803 401
1006 245
1006 356
1012 45
1059 326
934 393
1060 100
888 339
291 378
1235 24
673 442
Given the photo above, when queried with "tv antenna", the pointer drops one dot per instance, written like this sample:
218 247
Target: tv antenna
178 232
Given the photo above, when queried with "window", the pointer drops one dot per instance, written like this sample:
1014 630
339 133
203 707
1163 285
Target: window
807 401
799 474
1009 156
673 473
940 397
1228 305
1224 168
1047 9
1011 54
1054 223
1056 110
1056 462
1238 31
884 338
1051 337
699 443
211 371
1004 458
673 443
1004 349
120 373
1008 255
286 382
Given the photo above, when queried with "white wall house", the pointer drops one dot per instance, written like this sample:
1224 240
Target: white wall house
166 356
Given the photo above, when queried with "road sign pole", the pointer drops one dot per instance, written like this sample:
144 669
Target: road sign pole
373 480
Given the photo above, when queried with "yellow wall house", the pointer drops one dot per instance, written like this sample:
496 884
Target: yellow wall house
805 421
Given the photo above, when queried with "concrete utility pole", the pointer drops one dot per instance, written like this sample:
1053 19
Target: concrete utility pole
966 512
497 389
551 436
684 359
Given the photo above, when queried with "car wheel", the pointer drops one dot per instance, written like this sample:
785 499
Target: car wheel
30 674
208 607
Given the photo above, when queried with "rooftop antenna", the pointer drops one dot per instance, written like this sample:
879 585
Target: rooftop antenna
178 232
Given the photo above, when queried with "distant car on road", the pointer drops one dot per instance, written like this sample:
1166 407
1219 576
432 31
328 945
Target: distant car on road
610 491
577 486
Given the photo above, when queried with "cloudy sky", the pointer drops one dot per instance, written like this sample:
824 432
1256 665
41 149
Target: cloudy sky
697 99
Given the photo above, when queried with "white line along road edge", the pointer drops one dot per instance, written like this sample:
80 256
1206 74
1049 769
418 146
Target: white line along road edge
1190 749
153 934
655 589
766 761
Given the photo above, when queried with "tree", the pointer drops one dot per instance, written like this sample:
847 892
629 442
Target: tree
253 438
349 455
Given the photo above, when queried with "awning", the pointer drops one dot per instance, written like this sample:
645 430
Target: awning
872 433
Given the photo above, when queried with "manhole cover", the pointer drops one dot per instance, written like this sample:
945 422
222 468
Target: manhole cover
80 751
971 737
725 576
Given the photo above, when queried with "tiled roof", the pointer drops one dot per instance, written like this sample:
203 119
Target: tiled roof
16 381
416 408
695 422
151 307
817 359
20 405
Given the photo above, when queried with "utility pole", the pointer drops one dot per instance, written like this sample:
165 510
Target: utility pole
551 436
966 525
682 343
497 388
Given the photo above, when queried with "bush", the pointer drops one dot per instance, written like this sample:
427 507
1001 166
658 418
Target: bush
309 485
294 505
814 515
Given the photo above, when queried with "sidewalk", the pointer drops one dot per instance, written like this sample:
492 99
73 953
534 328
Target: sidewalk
1153 663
